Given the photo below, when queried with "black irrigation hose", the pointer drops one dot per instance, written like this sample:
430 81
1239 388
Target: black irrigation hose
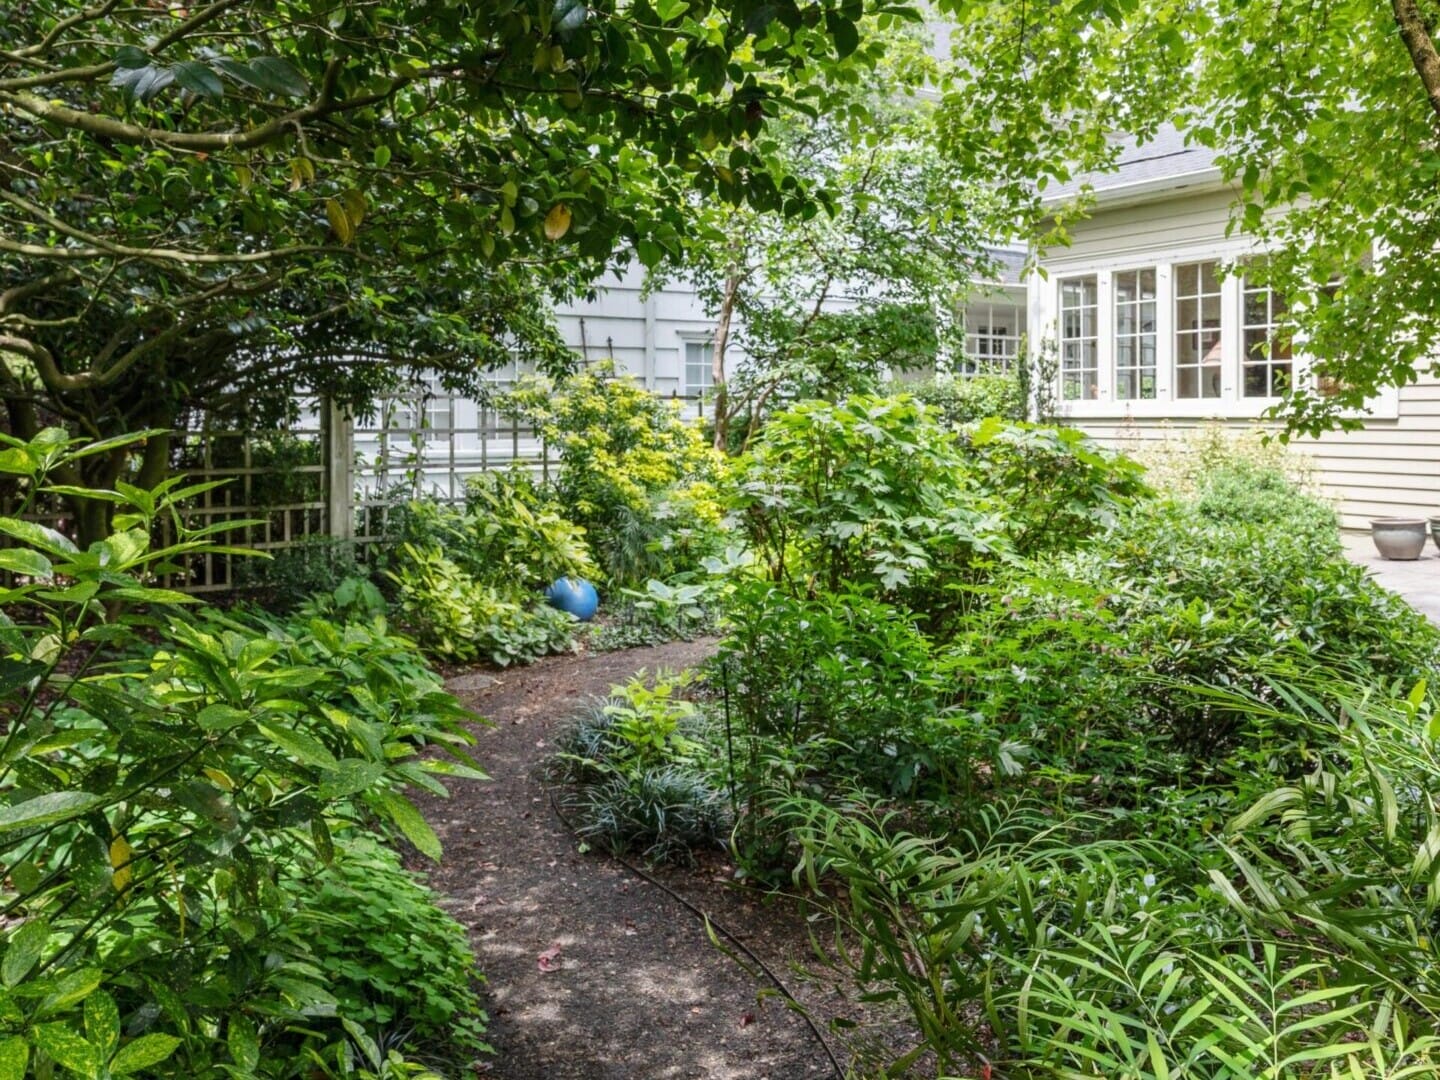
790 999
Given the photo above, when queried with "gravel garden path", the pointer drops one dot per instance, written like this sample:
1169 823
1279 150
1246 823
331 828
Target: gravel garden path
594 973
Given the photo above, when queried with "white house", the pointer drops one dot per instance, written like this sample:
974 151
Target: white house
1152 337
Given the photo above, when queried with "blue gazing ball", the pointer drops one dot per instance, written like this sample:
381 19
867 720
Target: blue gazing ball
575 595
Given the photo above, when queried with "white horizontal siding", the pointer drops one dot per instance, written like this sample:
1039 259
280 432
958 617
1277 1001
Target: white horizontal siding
1390 467
1197 219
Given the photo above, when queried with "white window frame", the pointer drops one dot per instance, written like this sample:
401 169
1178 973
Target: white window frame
977 360
1044 325
703 340
1137 335
1098 330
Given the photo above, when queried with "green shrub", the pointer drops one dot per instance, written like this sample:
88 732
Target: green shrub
394 961
965 399
641 774
655 615
865 493
161 776
625 453
313 565
456 617
1242 493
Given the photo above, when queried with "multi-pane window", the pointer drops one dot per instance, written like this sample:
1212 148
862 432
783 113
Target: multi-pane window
992 337
699 367
1135 300
426 408
1267 363
1079 339
1199 352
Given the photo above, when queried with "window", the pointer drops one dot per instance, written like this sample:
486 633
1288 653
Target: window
428 407
992 337
699 367
1079 339
1135 299
1267 360
1199 352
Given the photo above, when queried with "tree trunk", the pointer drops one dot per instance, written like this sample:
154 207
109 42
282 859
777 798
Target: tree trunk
717 360
1416 36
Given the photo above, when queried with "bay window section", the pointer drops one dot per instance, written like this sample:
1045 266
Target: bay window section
1135 343
1268 365
1199 348
1079 339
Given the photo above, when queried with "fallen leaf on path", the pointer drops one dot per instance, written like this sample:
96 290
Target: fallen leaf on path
746 1019
549 960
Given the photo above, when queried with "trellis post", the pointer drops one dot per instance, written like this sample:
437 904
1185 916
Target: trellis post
339 479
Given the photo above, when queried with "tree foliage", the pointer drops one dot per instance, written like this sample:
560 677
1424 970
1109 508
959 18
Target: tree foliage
1317 117
812 304
213 204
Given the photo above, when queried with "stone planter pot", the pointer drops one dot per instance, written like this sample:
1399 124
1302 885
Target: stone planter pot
1435 530
1398 537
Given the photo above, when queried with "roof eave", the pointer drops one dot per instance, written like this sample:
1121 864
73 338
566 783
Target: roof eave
1147 190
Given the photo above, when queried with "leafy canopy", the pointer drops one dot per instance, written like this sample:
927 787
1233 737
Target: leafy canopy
1318 118
208 205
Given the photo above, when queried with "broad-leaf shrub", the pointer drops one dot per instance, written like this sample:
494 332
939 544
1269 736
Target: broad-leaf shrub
395 962
625 456
867 492
1296 935
965 399
457 617
161 777
1058 488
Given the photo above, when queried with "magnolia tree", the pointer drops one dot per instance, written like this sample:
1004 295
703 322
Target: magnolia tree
209 204
872 278
1324 117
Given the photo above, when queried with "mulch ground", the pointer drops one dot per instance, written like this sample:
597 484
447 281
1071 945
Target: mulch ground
594 973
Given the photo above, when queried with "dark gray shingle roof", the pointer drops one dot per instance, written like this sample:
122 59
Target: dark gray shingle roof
1164 156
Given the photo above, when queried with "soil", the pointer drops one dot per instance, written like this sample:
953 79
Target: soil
593 972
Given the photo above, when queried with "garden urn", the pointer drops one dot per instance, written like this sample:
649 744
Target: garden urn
1398 537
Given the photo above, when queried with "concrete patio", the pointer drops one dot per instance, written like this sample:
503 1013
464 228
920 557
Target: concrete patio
1417 581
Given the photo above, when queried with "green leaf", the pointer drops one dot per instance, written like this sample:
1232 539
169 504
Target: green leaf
402 812
143 1052
128 56
221 717
15 673
69 1049
102 1023
198 79
38 536
72 988
23 953
244 1042
47 809
14 1057
300 746
279 76
350 776
27 562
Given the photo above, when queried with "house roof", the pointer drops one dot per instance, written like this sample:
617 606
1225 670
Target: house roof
1010 262
1162 165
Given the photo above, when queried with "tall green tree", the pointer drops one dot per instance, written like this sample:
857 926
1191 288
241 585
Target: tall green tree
873 277
1325 117
215 203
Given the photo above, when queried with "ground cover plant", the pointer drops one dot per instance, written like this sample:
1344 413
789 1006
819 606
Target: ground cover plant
178 787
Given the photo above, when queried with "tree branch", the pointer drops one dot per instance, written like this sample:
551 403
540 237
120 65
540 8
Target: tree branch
1422 49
